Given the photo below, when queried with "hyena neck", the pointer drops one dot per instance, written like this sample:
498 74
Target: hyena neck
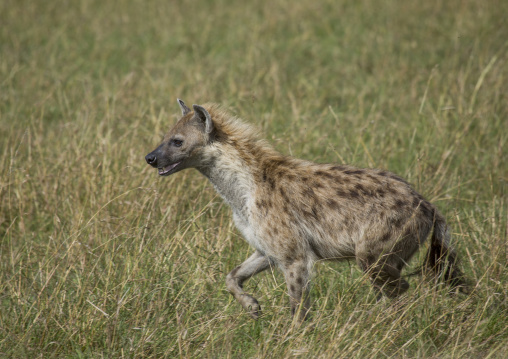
230 176
235 171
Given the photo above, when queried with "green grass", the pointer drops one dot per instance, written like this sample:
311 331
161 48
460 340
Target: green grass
101 258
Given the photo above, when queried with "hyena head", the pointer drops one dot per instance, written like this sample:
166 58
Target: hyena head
183 145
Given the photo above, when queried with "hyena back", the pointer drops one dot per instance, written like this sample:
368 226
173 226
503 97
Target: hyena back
296 212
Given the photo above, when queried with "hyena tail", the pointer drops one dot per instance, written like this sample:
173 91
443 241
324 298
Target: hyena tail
441 259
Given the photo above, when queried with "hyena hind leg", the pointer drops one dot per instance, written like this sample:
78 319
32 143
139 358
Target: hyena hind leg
385 276
297 279
234 282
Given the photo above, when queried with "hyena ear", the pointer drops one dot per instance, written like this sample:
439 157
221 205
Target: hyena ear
185 109
204 116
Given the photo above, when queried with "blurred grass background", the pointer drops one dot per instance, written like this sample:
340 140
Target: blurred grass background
101 258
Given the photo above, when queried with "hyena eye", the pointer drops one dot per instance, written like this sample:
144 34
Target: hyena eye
177 143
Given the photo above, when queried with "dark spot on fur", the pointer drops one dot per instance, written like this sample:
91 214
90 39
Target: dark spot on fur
354 172
399 204
371 259
383 173
264 175
309 214
275 231
289 259
359 187
391 190
338 168
283 194
317 185
279 162
374 179
363 190
305 179
314 212
341 193
292 287
354 194
399 222
271 182
381 193
332 204
291 274
299 280
269 203
386 237
324 174
309 192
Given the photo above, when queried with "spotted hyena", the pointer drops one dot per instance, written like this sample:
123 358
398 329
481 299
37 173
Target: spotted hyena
296 212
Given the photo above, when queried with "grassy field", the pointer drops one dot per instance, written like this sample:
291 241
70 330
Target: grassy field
101 258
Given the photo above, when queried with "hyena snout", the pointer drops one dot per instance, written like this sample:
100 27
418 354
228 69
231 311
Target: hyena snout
151 158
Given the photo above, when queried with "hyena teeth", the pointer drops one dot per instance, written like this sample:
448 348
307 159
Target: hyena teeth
164 170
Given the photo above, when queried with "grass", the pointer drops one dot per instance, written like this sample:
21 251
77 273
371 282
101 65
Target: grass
101 258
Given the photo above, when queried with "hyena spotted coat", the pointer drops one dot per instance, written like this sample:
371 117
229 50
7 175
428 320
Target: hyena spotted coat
296 212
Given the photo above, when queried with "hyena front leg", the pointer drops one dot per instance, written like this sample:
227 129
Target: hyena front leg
297 279
234 281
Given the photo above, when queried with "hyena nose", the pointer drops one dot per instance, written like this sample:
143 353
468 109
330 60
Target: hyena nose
151 159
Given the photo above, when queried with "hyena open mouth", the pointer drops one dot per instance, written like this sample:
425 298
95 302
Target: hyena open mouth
165 171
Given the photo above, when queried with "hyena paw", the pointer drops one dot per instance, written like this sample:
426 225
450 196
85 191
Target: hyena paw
252 306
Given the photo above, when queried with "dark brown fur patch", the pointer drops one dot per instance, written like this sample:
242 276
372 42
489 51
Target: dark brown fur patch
284 195
338 168
324 174
309 192
341 193
391 190
354 172
399 204
332 204
317 185
374 179
271 182
354 194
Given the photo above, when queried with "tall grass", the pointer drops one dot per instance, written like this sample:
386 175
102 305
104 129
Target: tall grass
101 258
